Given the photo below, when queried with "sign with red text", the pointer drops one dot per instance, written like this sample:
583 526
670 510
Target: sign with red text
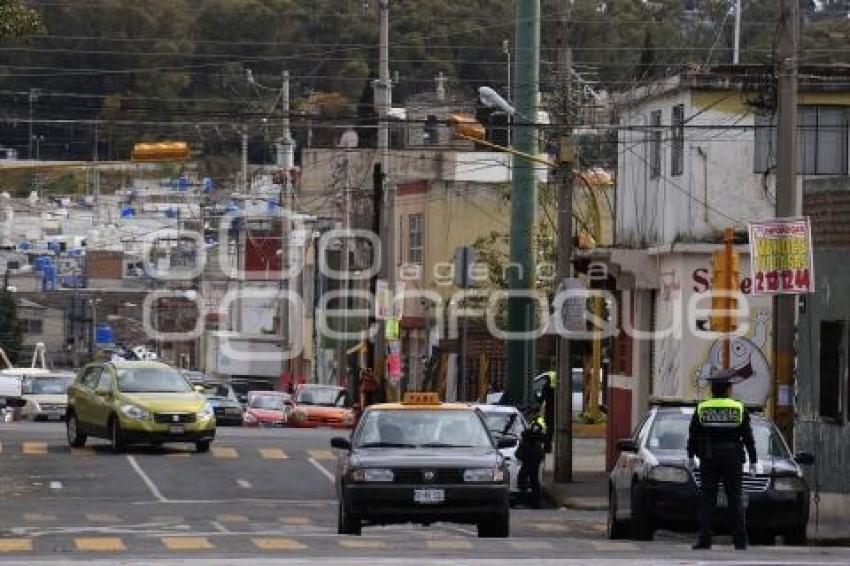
781 257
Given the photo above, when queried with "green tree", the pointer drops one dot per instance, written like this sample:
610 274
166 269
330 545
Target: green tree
11 333
17 20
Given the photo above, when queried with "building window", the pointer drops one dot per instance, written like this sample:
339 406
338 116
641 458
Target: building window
833 369
677 140
32 326
655 144
821 143
414 239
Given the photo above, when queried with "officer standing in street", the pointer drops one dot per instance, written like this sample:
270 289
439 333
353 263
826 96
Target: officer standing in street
531 454
719 432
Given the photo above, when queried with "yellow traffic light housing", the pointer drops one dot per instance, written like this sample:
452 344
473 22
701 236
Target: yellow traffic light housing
160 151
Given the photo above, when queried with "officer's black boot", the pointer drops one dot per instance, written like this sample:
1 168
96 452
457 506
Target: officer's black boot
740 543
702 543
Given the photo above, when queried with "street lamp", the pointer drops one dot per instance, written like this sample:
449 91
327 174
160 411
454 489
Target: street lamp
492 99
38 140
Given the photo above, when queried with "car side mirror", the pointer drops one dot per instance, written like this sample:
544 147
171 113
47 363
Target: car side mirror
627 445
340 443
804 458
506 441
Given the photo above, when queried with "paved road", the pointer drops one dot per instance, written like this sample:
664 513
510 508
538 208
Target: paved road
263 495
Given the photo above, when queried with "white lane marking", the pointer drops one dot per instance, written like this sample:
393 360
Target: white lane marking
321 468
296 502
56 485
219 527
148 482
244 484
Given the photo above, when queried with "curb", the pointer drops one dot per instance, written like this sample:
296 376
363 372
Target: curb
576 503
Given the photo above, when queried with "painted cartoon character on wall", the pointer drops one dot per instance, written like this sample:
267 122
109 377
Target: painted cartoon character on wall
747 359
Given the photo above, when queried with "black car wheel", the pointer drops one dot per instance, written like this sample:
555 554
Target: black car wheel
641 526
76 437
347 524
796 536
498 528
116 438
760 538
202 446
617 528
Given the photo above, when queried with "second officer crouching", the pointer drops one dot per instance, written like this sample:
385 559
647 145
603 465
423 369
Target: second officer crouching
720 431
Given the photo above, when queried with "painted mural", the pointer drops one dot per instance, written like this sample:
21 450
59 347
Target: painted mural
748 358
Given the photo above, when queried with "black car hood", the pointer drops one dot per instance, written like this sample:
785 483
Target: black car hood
425 457
778 466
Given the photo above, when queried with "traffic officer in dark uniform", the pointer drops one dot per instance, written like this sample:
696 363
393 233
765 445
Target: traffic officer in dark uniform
531 453
719 433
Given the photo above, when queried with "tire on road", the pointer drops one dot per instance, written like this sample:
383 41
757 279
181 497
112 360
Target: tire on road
202 446
498 528
617 528
348 524
641 526
116 437
796 536
76 437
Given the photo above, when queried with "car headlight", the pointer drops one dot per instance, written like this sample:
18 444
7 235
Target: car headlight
348 419
135 412
372 475
669 474
298 415
206 412
250 418
789 483
482 475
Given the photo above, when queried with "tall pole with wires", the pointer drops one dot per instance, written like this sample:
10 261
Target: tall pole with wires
789 204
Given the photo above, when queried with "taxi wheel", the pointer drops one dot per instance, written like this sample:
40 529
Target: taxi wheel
202 446
617 528
346 524
500 528
641 526
116 438
76 437
796 536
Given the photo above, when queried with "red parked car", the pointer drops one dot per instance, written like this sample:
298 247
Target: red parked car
267 408
321 406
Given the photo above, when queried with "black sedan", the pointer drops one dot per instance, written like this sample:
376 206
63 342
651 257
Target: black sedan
408 463
651 486
228 411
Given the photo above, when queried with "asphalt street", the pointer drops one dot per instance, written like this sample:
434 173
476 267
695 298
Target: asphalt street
265 496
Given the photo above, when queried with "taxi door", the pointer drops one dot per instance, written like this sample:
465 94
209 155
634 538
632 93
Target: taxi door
82 398
103 396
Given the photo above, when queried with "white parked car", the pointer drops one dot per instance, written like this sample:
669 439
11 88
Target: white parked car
503 420
46 396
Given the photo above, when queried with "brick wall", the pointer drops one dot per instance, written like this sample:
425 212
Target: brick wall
104 265
827 202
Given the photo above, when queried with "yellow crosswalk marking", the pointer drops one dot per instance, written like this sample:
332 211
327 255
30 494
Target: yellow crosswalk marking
178 454
100 544
84 451
224 452
1 447
15 545
232 519
272 454
321 454
38 517
361 543
613 546
295 520
449 544
102 518
550 527
187 543
278 544
35 448
530 545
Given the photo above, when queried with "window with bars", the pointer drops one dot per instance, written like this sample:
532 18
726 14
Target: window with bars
655 144
414 239
677 140
821 141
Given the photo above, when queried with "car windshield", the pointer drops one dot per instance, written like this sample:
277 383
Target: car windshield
46 385
218 391
267 402
325 396
670 432
152 380
243 387
412 428
503 422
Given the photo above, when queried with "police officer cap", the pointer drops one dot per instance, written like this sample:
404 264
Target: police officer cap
723 376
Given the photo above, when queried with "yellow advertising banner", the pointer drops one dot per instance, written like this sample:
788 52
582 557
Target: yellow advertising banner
781 257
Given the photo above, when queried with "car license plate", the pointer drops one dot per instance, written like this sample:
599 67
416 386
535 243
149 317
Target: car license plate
429 496
55 416
176 429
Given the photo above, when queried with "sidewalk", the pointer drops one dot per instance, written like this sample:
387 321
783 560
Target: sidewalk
589 488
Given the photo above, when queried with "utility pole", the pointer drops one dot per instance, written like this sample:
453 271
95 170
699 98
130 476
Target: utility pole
522 353
564 180
287 196
342 343
383 101
246 185
788 204
32 99
736 51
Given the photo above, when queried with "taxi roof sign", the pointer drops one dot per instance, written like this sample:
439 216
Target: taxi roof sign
421 398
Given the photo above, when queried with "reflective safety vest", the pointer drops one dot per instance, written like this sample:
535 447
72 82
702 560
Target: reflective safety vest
721 412
553 379
541 422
